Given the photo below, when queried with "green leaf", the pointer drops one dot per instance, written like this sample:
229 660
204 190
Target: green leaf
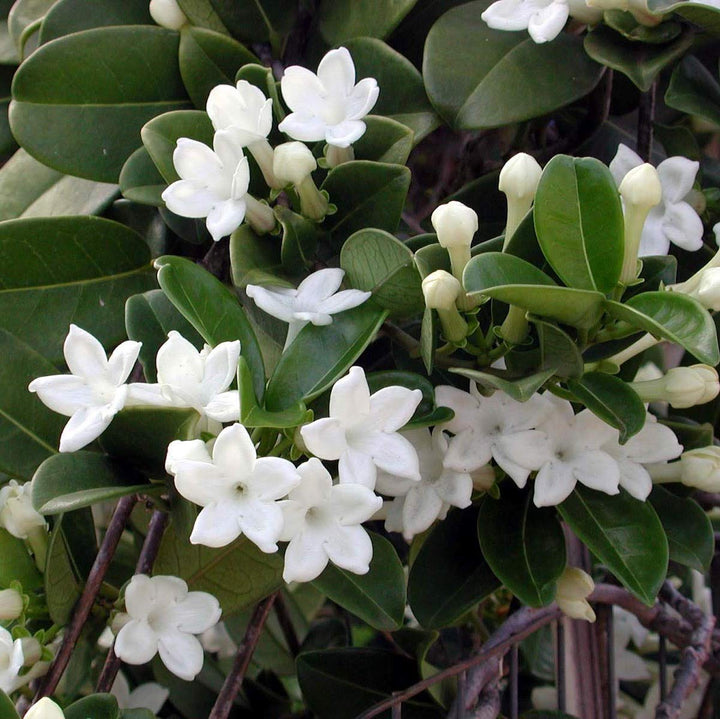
299 240
688 529
558 350
694 91
202 14
343 20
61 270
503 77
207 59
140 180
256 20
495 269
7 708
96 706
320 355
699 13
611 399
367 194
70 481
385 140
519 389
17 564
579 222
211 309
445 583
24 20
378 597
640 61
523 544
672 316
30 431
254 260
74 108
624 533
376 262
428 339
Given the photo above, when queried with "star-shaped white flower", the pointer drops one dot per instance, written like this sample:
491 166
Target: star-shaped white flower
17 514
11 661
328 106
315 300
573 455
149 695
495 427
237 491
418 504
322 523
361 430
164 617
93 393
673 220
191 378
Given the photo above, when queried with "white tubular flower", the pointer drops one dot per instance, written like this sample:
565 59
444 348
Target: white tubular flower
416 505
150 695
314 301
322 524
441 291
543 19
328 106
455 225
653 443
245 111
518 180
46 708
93 393
164 617
214 185
700 468
495 427
573 455
682 386
189 378
11 661
573 588
361 430
11 605
704 286
167 13
293 163
17 514
237 491
672 219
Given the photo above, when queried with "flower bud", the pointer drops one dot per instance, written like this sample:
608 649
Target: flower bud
293 162
708 291
573 588
688 386
700 468
167 13
441 290
455 225
17 513
32 651
11 605
519 179
45 709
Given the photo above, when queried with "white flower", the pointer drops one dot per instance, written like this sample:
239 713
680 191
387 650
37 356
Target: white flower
495 427
164 617
217 640
574 455
11 605
237 491
418 504
543 19
700 468
455 225
626 628
315 300
653 443
518 180
573 588
322 523
673 219
167 13
442 291
189 378
93 393
361 430
17 514
46 708
328 106
11 661
150 695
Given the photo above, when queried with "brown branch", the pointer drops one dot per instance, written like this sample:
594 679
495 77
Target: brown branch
646 117
233 682
145 562
88 596
286 625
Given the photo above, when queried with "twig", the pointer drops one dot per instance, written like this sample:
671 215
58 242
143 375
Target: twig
488 703
286 625
646 117
88 596
234 680
145 562
707 500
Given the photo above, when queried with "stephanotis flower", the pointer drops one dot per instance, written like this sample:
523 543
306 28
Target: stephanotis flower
328 106
164 617
315 300
46 708
93 393
237 491
416 505
17 514
11 661
673 219
361 430
323 523
149 695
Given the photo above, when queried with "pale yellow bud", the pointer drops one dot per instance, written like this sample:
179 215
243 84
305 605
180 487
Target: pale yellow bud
293 162
11 605
641 187
441 290
708 292
700 468
455 225
573 588
45 709
519 179
167 13
688 386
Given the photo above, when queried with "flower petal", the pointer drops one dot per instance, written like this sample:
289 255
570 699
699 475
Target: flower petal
224 407
392 453
635 479
139 596
468 451
221 366
302 126
677 175
305 556
217 525
274 301
350 548
509 14
136 643
181 653
345 133
454 488
598 470
84 355
178 362
625 160
343 300
315 484
273 478
353 503
85 426
319 286
553 484
187 199
463 404
201 482
225 217
325 438
336 72
357 468
392 407
233 452
195 161
262 524
63 393
122 360
149 695
196 613
683 226
546 24
301 90
350 397
421 508
362 99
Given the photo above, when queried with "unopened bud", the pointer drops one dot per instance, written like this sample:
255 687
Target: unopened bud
293 163
167 13
441 290
45 709
700 468
682 387
32 651
455 225
519 179
17 513
573 588
11 605
708 292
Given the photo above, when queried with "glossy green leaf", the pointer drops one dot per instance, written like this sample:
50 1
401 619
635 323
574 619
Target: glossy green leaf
625 23
256 20
378 597
208 59
17 564
428 339
693 90
24 21
385 140
73 480
672 316
611 399
299 240
519 389
503 77
320 355
376 262
558 350
140 180
96 706
496 269
445 583
688 529
367 194
579 222
202 14
7 708
523 544
624 533
254 260
72 108
211 309
342 20
61 270
697 12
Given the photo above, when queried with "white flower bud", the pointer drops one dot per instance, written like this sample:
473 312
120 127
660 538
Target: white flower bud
519 179
573 588
700 468
45 709
17 513
441 290
293 162
455 224
641 187
708 292
167 13
32 651
688 386
11 605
